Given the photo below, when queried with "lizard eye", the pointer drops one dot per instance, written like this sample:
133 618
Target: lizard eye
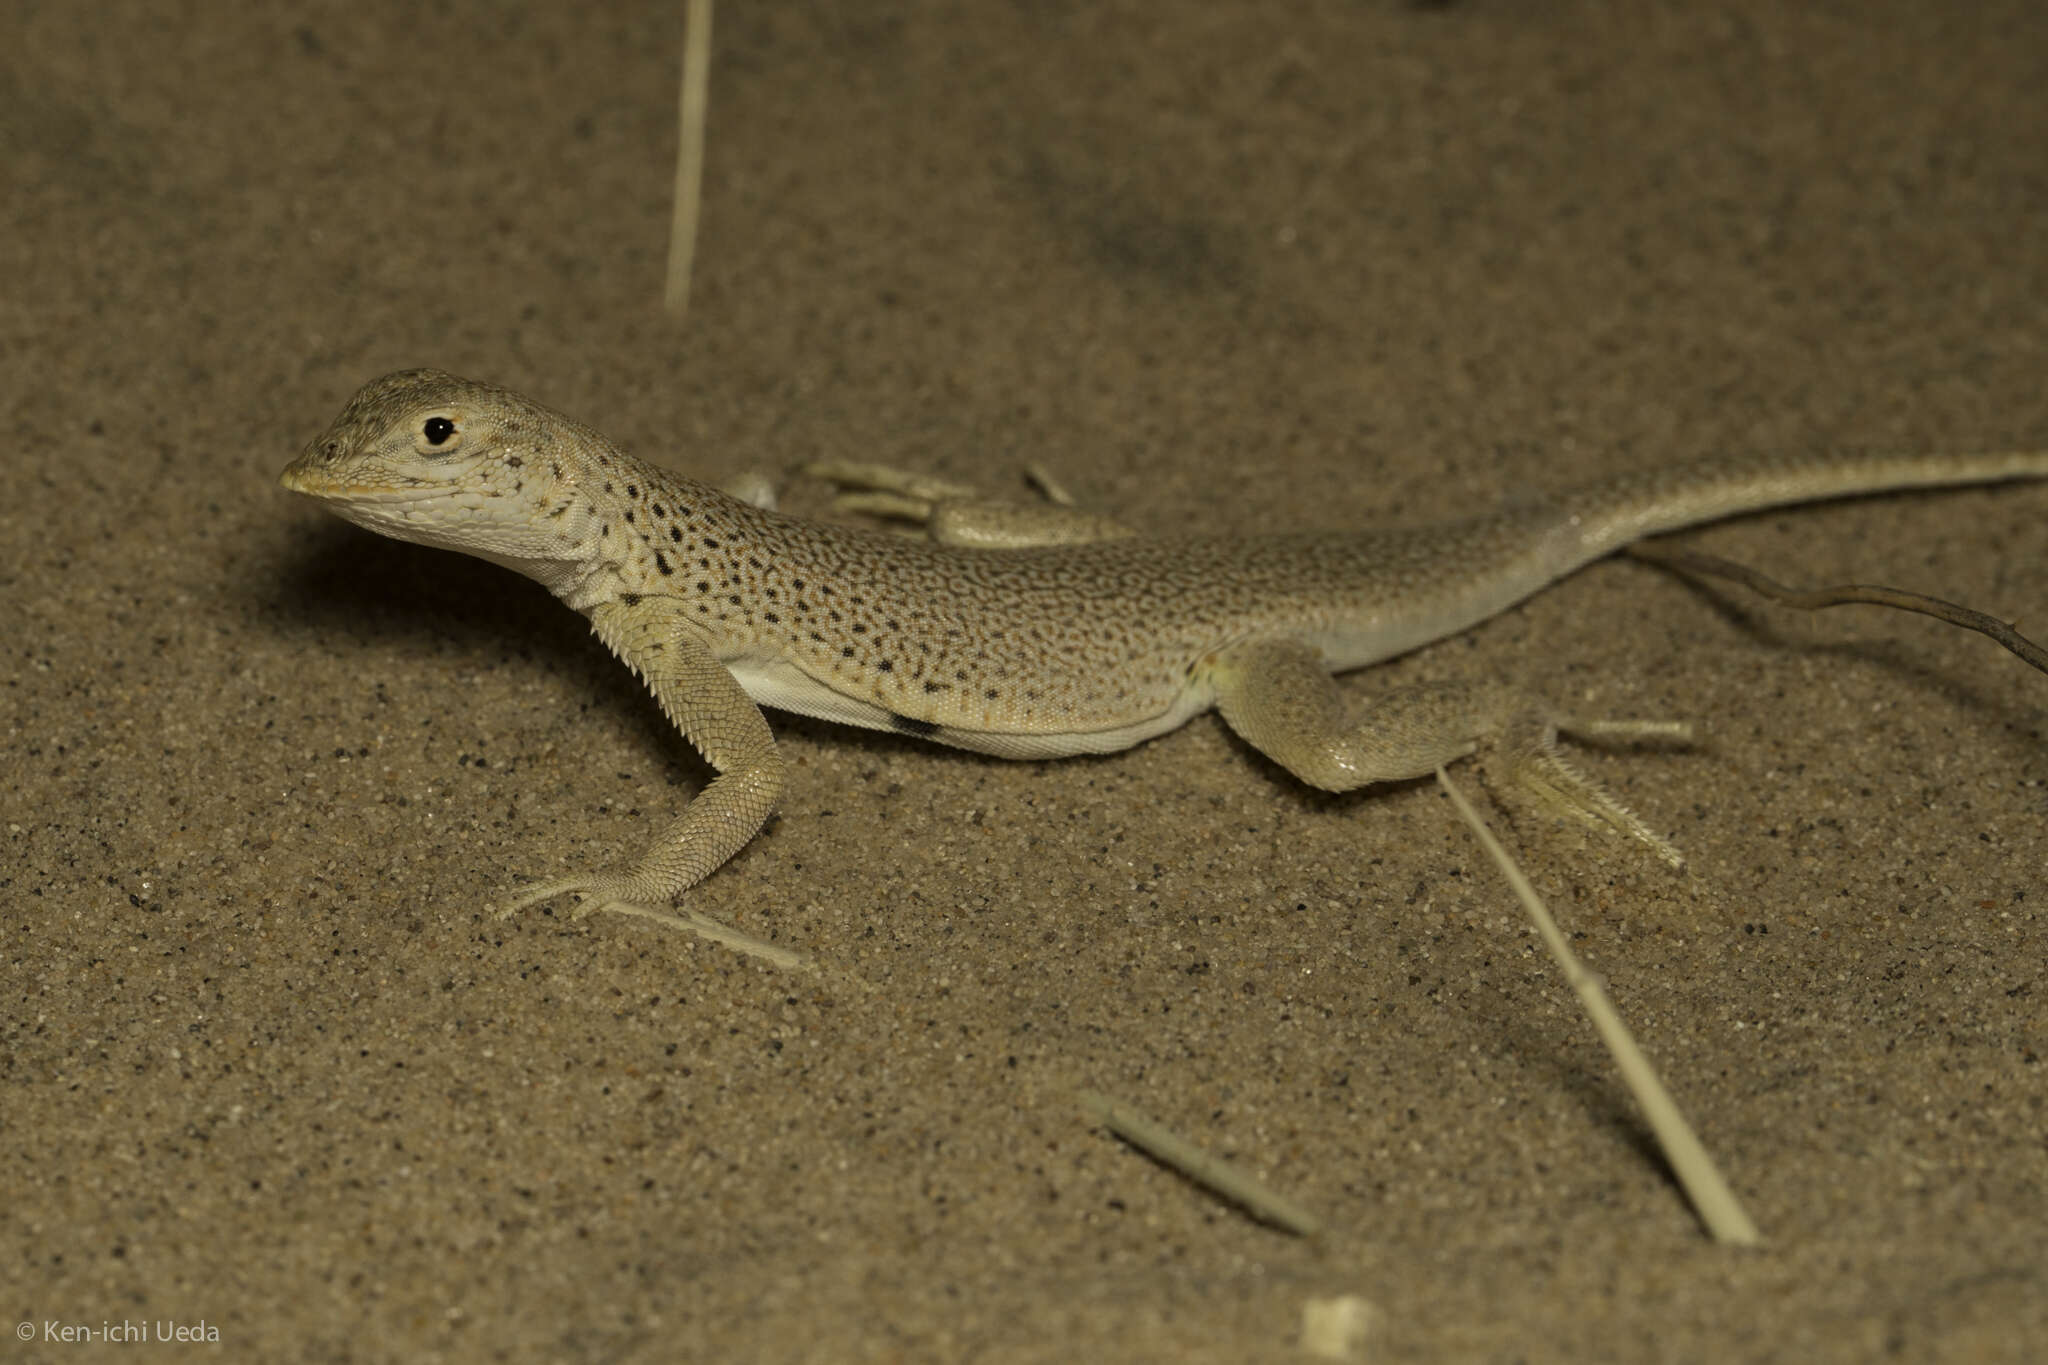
436 436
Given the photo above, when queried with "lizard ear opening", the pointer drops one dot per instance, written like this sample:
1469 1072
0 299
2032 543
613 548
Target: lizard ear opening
437 434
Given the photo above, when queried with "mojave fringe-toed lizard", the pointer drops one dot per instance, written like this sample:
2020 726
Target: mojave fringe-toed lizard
1019 632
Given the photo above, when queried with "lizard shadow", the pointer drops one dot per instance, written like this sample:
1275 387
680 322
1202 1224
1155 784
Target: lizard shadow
386 590
411 600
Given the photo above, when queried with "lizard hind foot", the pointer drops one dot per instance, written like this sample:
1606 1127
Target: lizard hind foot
955 514
1542 771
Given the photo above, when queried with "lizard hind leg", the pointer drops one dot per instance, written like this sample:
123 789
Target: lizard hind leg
1278 696
1280 699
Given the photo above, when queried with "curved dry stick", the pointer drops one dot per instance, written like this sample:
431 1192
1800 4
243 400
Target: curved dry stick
1842 594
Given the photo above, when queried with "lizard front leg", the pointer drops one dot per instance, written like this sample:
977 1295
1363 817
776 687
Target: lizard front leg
1277 695
706 703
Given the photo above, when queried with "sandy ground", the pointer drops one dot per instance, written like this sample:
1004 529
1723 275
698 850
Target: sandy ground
272 1072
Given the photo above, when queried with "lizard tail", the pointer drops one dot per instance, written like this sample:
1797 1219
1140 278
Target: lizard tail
1620 511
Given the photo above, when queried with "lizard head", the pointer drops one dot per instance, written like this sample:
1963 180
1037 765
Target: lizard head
427 457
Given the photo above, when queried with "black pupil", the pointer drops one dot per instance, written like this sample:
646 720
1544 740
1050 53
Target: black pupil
437 430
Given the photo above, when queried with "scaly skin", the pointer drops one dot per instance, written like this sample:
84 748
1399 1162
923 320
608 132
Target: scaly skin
1026 636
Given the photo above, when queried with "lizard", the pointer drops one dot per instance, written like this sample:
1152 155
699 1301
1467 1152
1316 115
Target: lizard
1016 631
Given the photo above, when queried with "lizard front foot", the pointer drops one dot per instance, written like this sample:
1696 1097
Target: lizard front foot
602 891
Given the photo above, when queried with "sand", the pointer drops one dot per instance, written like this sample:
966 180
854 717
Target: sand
273 1073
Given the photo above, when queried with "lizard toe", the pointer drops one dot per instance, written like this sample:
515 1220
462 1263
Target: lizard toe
593 893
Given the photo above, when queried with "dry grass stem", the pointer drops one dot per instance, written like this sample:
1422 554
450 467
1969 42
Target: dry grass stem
1213 1173
682 235
1715 1202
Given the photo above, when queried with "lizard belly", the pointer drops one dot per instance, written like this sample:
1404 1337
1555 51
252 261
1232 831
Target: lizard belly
778 683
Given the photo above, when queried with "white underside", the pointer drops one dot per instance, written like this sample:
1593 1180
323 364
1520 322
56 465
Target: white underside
780 684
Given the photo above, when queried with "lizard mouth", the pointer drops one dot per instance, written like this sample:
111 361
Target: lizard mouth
313 485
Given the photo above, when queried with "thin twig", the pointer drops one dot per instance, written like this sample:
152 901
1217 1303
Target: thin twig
1842 594
1211 1172
682 233
1711 1197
